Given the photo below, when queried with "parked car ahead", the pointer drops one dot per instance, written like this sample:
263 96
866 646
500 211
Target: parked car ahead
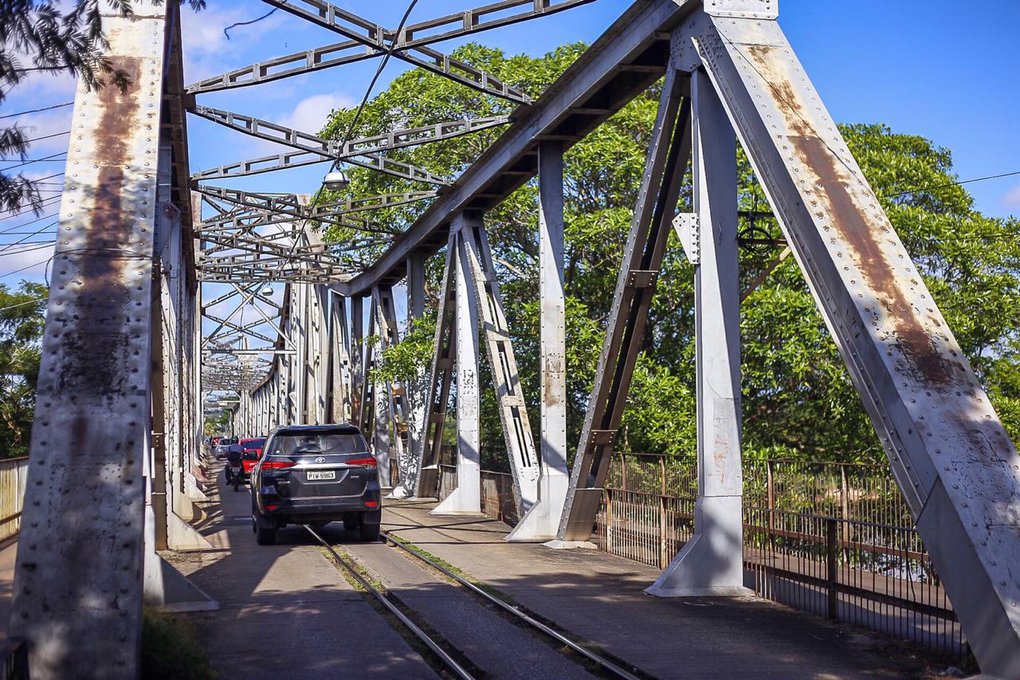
315 474
252 451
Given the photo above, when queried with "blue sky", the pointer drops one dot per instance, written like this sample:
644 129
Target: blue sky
944 72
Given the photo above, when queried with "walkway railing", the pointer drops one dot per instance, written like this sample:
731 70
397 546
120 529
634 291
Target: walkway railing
830 538
12 495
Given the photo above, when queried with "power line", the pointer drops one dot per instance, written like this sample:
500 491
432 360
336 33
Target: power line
28 247
952 184
44 108
25 224
26 302
38 231
34 264
55 134
34 160
375 78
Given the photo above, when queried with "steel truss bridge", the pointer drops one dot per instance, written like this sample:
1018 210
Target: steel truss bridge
129 357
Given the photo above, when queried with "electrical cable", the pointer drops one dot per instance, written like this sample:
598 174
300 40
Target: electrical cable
43 108
952 184
378 72
248 23
34 160
26 302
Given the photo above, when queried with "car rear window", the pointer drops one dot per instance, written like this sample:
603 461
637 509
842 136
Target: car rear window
253 443
318 443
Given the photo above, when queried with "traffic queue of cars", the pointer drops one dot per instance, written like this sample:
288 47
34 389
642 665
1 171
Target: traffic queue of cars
309 474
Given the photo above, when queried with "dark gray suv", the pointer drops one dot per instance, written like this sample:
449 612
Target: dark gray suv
315 474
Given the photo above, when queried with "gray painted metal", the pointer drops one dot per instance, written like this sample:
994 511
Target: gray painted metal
950 454
643 253
540 522
392 395
326 148
373 36
466 498
93 410
408 460
421 476
506 381
621 64
420 33
712 561
357 361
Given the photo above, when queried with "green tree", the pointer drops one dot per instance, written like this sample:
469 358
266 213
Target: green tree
22 314
793 378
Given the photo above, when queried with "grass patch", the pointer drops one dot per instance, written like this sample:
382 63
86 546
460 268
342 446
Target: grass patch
170 649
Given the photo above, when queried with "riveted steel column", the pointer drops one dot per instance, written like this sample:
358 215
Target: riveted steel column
541 521
711 562
414 389
422 477
951 456
646 245
357 361
466 498
85 496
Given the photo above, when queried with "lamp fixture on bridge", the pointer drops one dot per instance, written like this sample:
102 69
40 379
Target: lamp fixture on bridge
336 180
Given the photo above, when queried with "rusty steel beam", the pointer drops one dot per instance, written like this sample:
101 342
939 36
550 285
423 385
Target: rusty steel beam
78 581
949 453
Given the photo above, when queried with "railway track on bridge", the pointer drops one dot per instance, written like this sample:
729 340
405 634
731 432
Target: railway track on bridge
451 659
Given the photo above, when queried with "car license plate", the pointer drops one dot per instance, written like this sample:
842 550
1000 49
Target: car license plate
320 475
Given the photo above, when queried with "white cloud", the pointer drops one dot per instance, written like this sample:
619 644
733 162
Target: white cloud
24 263
207 48
1011 199
310 114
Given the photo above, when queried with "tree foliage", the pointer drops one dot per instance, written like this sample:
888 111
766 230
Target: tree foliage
22 314
798 400
51 37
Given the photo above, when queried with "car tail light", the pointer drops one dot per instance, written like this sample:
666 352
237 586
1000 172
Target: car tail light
364 462
270 508
277 464
371 504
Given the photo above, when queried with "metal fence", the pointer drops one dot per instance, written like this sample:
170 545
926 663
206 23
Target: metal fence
12 495
834 539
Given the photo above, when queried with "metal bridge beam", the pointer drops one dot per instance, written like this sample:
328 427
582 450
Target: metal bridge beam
712 561
668 155
949 452
92 424
466 498
540 522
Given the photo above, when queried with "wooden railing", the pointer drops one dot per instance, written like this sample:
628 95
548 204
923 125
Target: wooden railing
12 495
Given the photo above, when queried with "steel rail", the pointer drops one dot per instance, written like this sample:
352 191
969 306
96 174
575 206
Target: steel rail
601 661
450 662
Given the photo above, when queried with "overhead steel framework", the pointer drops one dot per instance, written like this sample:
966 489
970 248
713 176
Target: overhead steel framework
168 292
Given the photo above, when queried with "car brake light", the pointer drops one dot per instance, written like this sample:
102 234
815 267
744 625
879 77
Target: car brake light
364 462
277 464
371 504
270 508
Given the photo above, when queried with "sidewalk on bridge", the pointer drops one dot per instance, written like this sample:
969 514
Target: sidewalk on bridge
599 597
8 556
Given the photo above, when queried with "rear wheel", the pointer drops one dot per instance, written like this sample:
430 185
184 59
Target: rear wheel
369 532
265 533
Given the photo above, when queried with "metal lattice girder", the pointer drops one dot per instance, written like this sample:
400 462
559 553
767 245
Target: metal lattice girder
292 206
668 156
616 68
231 370
417 34
947 447
357 359
390 395
506 379
371 35
85 498
362 151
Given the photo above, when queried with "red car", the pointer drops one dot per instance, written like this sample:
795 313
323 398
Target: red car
252 453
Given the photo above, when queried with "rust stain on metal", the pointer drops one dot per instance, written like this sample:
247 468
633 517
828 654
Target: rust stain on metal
833 182
100 334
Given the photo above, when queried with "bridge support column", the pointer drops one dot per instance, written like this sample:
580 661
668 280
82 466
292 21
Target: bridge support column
357 352
408 461
711 562
541 521
78 583
466 498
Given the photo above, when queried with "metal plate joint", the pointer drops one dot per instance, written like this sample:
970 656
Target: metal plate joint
602 437
642 278
743 9
688 228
